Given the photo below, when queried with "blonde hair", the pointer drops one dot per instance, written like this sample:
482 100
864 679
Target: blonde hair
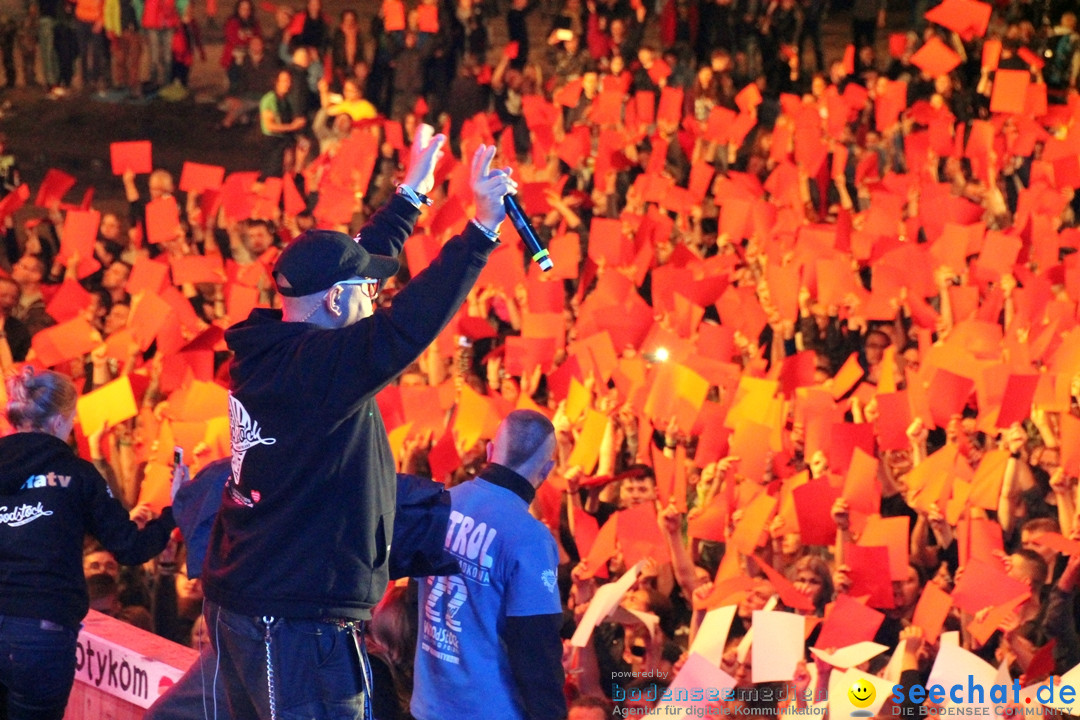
35 399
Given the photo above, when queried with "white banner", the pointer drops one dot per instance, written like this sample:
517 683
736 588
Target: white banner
121 671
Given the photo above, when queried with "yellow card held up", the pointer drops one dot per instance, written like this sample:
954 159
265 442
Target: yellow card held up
113 403
587 447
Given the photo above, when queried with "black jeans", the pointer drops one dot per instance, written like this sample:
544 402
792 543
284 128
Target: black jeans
289 669
37 668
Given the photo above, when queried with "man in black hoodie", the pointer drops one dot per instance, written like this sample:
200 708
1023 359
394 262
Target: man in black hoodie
299 551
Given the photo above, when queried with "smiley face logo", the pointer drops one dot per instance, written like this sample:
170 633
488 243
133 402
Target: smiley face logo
861 694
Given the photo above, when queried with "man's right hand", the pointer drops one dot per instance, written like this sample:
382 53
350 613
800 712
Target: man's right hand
489 186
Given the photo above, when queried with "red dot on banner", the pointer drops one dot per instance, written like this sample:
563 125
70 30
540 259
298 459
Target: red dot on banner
1027 700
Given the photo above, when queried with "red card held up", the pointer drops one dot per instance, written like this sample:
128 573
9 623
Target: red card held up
670 110
847 623
68 302
789 594
14 200
891 533
639 535
1016 403
162 219
865 565
813 506
53 188
984 584
80 232
196 177
748 98
134 156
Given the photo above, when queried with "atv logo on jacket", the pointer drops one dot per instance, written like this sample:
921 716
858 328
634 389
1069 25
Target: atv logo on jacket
50 480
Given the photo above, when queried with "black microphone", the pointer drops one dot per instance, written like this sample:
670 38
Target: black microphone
525 230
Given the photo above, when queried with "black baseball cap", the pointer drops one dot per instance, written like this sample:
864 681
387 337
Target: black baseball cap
319 258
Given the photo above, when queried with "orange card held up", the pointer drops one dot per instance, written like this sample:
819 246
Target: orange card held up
148 275
861 487
525 353
710 523
677 391
847 377
393 14
981 630
112 403
148 316
1070 444
427 18
935 58
134 156
1010 91
932 610
156 488
979 539
750 532
65 341
196 269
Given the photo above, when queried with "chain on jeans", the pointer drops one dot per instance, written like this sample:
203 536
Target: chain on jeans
267 622
360 641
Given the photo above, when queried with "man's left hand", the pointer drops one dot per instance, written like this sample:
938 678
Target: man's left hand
424 156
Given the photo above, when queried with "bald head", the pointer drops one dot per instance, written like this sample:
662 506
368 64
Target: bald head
525 443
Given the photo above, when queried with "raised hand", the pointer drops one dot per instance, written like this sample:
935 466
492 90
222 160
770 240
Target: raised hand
424 155
489 186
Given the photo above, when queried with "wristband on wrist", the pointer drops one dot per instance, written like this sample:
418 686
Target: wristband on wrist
492 235
415 198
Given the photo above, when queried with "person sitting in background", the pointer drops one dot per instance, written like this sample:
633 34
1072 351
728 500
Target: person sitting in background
250 78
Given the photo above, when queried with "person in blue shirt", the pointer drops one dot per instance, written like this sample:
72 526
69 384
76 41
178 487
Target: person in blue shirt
489 641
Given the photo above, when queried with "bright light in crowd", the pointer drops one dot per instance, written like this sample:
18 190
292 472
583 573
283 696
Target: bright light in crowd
661 354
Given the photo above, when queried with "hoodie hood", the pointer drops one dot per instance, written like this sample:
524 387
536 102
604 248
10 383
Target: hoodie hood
25 454
259 333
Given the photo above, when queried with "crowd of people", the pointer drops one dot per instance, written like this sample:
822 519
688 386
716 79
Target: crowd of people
809 345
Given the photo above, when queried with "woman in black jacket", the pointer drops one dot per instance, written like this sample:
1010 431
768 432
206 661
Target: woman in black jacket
49 499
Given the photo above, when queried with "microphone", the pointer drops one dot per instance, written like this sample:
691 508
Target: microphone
525 229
